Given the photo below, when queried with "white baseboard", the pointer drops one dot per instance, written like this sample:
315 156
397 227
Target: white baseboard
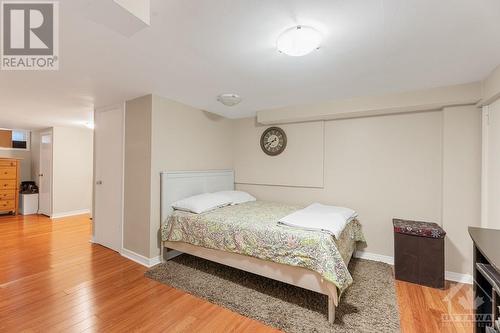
375 257
140 259
458 277
70 213
450 276
154 261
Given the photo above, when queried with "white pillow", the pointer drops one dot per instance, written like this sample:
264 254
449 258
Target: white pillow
202 203
237 197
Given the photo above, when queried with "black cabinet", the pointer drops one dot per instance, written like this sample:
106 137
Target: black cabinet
486 278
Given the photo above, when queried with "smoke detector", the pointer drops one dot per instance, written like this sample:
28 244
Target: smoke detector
229 99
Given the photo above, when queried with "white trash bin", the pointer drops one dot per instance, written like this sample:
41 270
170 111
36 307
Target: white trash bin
28 204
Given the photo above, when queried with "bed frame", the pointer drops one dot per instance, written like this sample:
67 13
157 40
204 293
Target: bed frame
179 185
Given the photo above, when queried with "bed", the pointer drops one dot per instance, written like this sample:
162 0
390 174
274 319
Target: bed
247 237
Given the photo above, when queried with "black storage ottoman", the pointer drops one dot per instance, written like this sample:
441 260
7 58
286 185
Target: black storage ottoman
419 252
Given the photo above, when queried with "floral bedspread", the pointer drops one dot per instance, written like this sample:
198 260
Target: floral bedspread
251 229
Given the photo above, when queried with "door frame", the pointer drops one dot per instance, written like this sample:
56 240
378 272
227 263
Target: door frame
51 196
119 106
485 122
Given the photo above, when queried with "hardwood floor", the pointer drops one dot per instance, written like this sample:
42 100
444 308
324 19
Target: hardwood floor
53 279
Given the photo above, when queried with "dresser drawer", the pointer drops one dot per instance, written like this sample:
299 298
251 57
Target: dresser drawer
4 163
8 173
7 205
7 194
8 184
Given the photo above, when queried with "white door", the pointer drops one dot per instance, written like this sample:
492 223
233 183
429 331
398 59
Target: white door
108 188
45 175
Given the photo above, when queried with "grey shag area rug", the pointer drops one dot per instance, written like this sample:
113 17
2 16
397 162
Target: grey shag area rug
368 305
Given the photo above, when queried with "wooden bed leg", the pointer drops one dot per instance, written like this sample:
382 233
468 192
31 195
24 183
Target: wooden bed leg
168 253
162 259
331 310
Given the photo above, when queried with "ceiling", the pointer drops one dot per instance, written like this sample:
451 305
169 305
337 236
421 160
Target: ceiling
195 50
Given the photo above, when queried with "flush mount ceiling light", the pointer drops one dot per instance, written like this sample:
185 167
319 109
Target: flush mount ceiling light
299 41
229 99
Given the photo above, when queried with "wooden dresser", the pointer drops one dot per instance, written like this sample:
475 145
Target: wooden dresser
9 185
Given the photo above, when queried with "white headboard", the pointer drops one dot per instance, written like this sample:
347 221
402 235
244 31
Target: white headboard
176 185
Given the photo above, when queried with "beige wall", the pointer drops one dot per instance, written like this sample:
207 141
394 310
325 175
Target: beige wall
423 166
384 167
164 135
137 175
184 138
412 101
72 170
461 183
301 164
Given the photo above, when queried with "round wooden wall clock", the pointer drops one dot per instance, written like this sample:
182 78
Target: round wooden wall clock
273 141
